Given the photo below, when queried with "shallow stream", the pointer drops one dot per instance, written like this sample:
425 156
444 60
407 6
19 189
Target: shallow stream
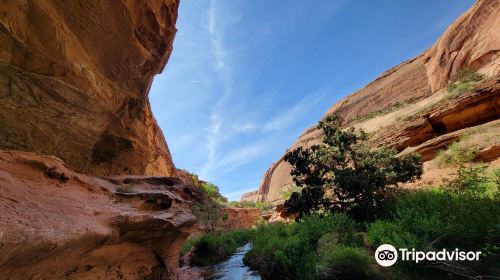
233 268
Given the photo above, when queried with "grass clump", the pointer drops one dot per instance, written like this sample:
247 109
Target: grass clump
464 81
344 262
458 152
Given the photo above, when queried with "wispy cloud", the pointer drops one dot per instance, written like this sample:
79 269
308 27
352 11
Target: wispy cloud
232 159
221 65
236 195
287 118
246 127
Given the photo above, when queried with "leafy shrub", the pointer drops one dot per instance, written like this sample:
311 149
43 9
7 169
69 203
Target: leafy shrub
214 247
188 245
343 262
209 210
357 177
458 152
289 251
388 232
437 219
495 177
471 180
452 220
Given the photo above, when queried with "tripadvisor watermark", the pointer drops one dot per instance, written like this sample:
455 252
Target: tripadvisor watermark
387 255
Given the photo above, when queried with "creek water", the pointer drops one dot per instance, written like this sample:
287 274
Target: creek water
233 268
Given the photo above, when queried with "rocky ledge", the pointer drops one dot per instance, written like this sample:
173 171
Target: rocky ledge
57 223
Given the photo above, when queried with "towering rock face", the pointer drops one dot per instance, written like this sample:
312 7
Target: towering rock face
472 41
74 81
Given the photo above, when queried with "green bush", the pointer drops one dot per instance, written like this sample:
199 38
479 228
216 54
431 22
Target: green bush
278 248
448 220
437 219
342 262
472 180
188 245
387 232
214 247
457 153
343 174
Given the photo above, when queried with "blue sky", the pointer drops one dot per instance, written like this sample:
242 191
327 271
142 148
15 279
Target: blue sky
247 77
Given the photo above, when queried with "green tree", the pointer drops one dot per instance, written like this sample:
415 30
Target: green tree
344 174
209 211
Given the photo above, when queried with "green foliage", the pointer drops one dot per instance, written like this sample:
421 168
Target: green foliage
458 152
472 180
278 248
464 81
495 178
214 247
291 188
343 262
437 219
209 189
330 246
386 232
356 177
456 220
262 206
209 211
188 245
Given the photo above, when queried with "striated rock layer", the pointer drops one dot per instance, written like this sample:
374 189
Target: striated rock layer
74 81
60 224
471 41
238 218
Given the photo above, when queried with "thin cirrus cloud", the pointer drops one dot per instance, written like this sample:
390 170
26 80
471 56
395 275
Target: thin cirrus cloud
299 109
221 65
212 147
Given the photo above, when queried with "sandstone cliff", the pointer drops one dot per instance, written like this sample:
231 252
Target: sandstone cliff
74 81
472 41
